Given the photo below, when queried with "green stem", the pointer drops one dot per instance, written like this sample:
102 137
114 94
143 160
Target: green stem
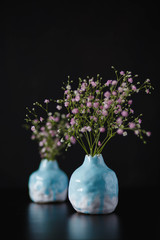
101 148
87 138
82 146
95 138
47 107
90 135
40 105
32 113
96 144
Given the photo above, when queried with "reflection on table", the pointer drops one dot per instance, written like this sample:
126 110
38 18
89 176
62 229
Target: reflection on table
56 221
88 227
46 221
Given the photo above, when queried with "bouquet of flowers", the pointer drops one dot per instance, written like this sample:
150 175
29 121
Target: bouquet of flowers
44 130
97 111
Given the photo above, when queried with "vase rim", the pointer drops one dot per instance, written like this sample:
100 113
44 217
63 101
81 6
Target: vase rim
96 155
49 160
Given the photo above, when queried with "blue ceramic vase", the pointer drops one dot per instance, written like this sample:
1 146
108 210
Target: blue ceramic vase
93 187
48 184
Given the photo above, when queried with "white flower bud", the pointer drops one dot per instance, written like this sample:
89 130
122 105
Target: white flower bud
124 133
68 87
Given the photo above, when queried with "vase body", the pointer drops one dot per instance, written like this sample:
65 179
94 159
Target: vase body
48 184
93 187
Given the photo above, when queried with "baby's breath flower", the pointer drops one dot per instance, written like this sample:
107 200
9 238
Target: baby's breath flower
124 133
46 101
33 128
148 134
48 130
98 111
68 87
59 107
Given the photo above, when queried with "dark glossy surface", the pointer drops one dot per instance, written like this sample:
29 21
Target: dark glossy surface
136 217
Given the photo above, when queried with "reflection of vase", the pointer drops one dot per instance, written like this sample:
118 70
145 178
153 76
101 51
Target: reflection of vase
93 187
46 221
48 183
85 227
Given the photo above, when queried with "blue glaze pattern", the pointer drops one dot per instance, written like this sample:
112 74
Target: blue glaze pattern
48 184
93 187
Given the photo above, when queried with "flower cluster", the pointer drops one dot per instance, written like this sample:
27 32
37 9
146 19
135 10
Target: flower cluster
98 111
45 130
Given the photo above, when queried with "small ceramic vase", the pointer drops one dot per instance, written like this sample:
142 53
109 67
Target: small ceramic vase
48 184
93 187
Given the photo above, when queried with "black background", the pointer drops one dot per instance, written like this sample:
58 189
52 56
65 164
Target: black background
42 44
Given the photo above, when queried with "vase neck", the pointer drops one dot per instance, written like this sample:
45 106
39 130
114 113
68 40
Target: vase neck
95 160
48 165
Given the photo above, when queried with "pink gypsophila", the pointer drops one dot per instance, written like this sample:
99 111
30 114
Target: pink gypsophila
119 121
104 113
88 128
56 119
114 82
131 125
102 129
114 93
134 88
95 104
107 94
41 119
72 122
73 140
83 129
122 73
124 113
120 89
66 137
33 129
66 104
93 84
130 80
120 131
89 104
148 134
46 101
108 83
106 106
139 121
58 143
75 111
77 98
130 102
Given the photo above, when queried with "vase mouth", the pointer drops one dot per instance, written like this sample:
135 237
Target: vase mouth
96 159
48 164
